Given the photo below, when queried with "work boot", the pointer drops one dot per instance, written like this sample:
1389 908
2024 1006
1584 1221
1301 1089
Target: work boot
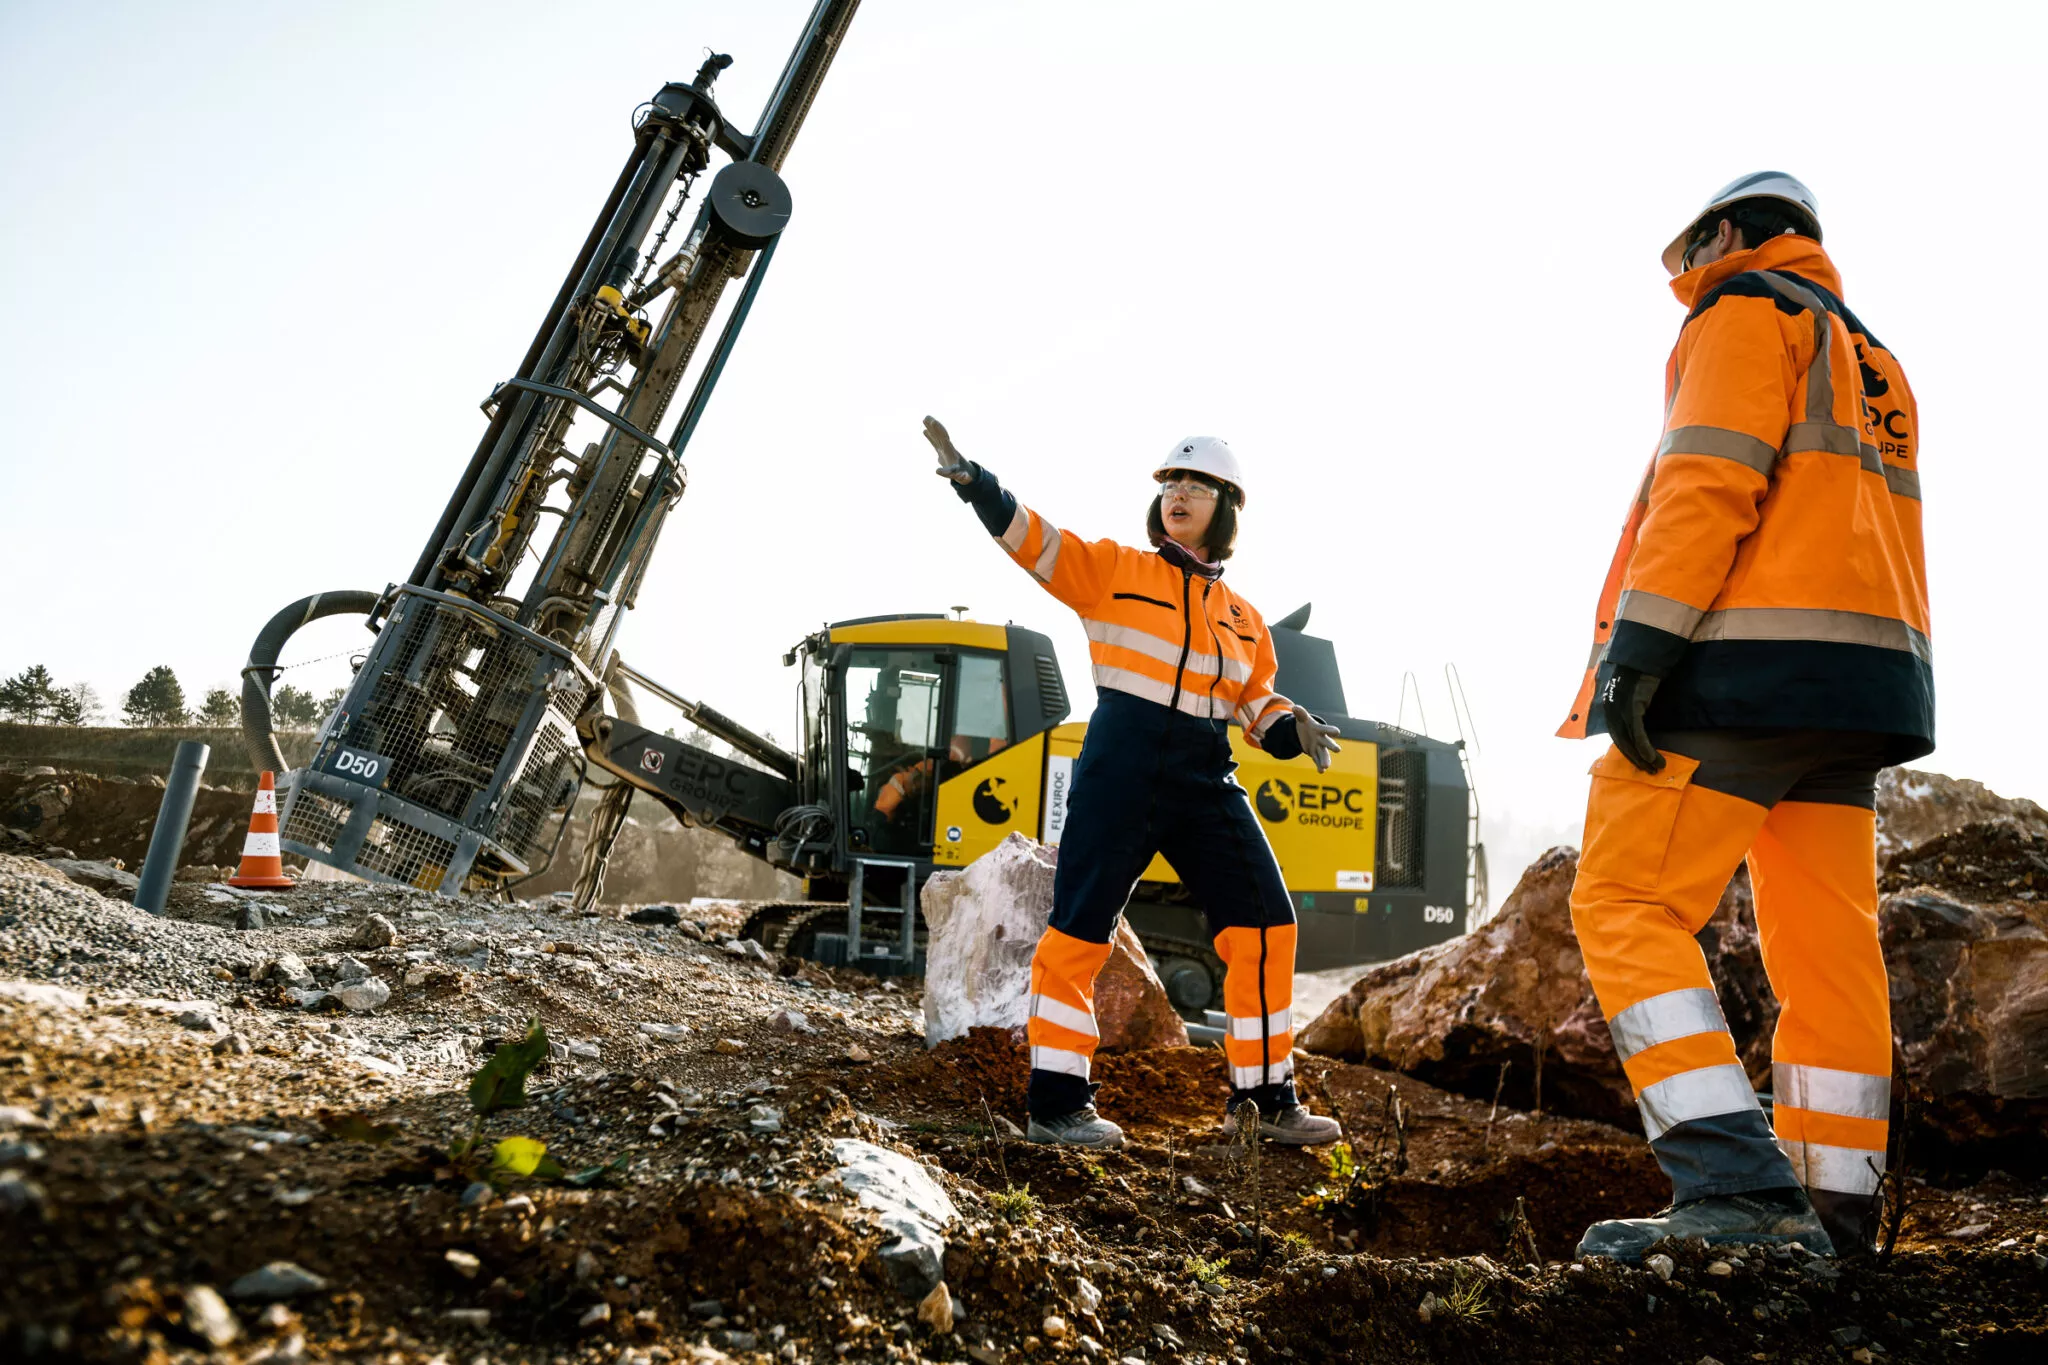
1769 1216
1291 1125
1082 1128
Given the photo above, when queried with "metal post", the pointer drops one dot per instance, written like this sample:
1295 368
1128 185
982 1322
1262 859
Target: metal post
167 840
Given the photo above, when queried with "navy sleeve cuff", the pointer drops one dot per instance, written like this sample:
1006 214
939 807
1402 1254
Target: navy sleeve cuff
1283 740
1645 648
996 507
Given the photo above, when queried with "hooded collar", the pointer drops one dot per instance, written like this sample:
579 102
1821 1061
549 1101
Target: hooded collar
1182 558
1800 255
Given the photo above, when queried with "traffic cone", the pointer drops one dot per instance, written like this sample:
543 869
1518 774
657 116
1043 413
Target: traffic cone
261 866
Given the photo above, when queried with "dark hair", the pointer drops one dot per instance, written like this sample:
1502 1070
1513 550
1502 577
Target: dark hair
1758 220
1221 540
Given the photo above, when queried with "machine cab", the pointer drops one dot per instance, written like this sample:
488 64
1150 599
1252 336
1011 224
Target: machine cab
896 707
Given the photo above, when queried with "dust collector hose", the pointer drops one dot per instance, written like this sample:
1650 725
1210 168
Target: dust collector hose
261 670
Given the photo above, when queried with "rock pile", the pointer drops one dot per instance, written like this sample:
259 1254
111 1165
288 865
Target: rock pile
1914 807
1453 1014
1965 942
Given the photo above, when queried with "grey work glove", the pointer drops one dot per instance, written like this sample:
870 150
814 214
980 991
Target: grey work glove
1318 740
952 464
1623 702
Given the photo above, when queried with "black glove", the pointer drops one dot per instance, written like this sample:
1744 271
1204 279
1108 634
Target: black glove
1623 702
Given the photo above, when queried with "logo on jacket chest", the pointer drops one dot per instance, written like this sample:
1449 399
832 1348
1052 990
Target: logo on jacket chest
1884 427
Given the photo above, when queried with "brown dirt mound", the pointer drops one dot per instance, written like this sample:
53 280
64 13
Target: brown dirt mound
1153 1089
1176 1087
989 1063
111 817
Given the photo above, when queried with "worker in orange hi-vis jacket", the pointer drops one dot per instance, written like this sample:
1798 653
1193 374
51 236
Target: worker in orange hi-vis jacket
1178 659
1761 650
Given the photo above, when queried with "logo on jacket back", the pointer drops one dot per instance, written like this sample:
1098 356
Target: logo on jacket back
1275 800
991 803
1875 385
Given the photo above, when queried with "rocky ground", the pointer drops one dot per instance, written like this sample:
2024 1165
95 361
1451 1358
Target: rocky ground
237 1133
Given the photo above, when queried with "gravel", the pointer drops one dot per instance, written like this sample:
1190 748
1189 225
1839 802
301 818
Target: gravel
53 929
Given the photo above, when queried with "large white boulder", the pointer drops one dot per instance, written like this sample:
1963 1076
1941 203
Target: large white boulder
985 921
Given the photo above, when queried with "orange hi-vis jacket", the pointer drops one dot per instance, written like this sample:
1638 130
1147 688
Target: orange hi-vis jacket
1161 624
1771 569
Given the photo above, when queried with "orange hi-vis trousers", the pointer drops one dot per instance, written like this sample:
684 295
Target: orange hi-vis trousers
1659 849
1151 781
1259 1046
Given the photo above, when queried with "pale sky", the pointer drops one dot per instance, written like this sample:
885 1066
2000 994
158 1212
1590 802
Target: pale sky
259 264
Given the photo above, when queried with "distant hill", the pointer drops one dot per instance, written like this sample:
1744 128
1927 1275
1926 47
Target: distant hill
117 751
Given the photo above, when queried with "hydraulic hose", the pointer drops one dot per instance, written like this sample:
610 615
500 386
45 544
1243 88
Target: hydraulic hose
261 669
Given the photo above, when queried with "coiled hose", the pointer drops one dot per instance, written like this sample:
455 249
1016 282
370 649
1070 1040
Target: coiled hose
261 670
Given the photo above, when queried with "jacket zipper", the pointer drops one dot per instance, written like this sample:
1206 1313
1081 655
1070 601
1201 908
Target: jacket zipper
1187 638
1215 644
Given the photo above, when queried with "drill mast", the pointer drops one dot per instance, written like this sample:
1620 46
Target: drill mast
453 757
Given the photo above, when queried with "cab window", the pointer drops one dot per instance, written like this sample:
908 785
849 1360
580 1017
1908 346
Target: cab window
894 708
981 713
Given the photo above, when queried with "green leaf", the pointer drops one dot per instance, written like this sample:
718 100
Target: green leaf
549 1169
518 1155
501 1082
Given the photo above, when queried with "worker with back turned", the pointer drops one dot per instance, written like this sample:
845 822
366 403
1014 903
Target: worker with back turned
1761 651
1178 659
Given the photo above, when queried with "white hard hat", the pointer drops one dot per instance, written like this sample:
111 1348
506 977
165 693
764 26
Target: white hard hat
1761 185
1204 455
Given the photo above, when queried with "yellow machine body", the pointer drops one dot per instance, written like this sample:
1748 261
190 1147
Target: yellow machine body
1322 826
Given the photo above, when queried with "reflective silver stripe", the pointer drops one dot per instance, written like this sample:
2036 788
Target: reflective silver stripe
1166 651
1660 613
1020 526
1245 1077
1852 1094
1059 1059
1841 440
1845 1170
1661 1018
1831 437
1065 1015
1820 378
1251 708
1258 728
1697 1094
1247 1030
1194 703
1814 623
1593 658
1049 555
1738 446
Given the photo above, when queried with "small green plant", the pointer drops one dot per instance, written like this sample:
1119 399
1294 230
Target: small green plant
1093 1173
1295 1245
1467 1301
1206 1272
1016 1204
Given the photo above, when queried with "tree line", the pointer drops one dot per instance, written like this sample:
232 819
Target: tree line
33 697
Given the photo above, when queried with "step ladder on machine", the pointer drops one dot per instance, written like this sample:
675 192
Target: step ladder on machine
882 957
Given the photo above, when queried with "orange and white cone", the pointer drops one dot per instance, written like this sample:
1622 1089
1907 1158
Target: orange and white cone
262 866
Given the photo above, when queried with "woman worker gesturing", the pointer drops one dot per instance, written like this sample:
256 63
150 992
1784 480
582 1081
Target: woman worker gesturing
1178 657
